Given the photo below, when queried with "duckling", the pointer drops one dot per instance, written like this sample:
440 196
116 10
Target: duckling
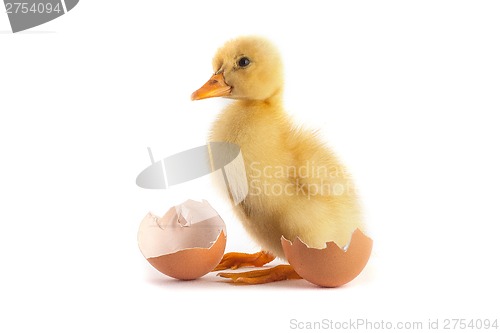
297 186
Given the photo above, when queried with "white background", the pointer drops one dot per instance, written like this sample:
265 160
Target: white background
407 94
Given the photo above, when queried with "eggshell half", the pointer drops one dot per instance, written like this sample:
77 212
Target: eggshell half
330 266
190 264
186 243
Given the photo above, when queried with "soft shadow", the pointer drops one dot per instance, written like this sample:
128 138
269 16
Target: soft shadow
287 284
211 281
201 283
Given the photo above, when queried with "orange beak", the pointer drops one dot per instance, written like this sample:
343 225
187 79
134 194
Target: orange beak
215 87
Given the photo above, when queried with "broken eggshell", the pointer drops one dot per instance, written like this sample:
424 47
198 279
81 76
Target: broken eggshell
186 243
330 266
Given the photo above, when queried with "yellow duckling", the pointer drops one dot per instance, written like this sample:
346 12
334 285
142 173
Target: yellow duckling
297 187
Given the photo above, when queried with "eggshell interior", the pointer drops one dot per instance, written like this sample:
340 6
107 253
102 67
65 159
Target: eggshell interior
186 243
330 266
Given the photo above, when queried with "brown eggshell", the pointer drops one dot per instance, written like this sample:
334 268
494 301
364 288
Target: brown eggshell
186 243
330 266
190 264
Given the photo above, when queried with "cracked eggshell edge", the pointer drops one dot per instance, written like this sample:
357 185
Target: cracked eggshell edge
330 266
193 263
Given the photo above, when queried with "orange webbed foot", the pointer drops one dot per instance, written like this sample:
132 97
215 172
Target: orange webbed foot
235 260
277 273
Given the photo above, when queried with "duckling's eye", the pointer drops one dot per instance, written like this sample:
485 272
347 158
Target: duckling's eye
244 62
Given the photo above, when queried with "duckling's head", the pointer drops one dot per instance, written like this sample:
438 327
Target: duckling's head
246 68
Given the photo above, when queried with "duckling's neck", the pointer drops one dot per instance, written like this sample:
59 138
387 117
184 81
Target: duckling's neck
247 121
274 103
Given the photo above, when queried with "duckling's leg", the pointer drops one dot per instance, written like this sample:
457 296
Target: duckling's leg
277 273
233 260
